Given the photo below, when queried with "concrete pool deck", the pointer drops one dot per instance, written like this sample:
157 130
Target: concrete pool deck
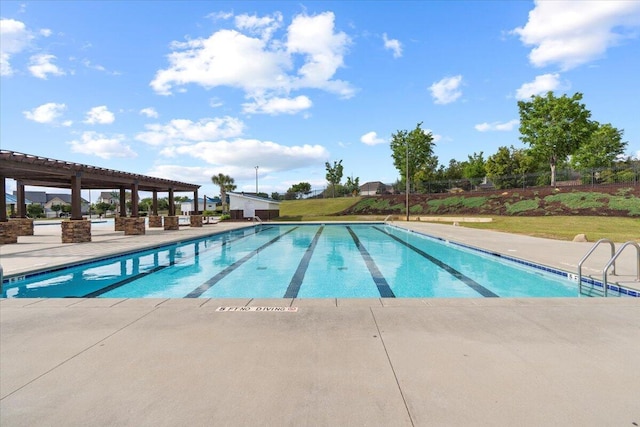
478 361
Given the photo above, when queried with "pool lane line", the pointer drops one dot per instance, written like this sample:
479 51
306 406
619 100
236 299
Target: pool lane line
455 273
123 282
221 275
298 276
378 278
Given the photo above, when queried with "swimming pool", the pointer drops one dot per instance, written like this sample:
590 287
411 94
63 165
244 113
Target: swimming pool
300 261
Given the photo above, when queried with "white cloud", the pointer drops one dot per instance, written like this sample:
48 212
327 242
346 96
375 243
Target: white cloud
42 64
261 66
100 115
195 174
436 138
393 44
540 85
182 131
237 154
46 113
371 138
149 112
572 33
100 145
264 27
14 37
497 126
276 105
45 32
446 90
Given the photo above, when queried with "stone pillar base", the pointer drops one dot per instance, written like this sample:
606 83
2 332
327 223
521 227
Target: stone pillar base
195 220
76 231
171 223
155 221
23 226
134 226
119 223
8 233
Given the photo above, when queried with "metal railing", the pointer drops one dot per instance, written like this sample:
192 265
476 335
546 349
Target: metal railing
613 260
584 258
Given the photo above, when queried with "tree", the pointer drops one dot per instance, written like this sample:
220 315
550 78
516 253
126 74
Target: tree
554 127
474 168
276 196
56 208
226 183
413 150
353 186
507 167
296 191
103 207
35 210
334 174
601 149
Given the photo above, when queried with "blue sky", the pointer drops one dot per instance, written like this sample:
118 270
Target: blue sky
185 90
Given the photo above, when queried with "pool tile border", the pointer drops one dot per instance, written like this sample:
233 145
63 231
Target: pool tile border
585 280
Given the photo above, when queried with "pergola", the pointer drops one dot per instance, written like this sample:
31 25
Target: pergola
27 169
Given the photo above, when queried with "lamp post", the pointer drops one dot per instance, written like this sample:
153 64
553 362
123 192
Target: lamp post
257 180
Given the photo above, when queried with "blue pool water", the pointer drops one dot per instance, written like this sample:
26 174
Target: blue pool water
300 261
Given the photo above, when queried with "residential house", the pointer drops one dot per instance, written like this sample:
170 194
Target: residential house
48 200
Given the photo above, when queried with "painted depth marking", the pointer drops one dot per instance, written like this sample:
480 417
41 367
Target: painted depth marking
279 309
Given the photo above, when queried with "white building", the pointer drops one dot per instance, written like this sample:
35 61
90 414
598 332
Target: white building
245 206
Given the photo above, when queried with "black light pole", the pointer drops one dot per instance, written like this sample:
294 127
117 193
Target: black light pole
407 176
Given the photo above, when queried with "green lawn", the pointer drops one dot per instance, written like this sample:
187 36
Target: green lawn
553 227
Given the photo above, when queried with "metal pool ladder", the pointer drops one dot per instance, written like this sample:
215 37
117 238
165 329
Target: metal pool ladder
610 263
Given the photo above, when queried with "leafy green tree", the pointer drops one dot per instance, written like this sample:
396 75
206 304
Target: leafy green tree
507 167
554 127
34 210
226 183
601 149
103 207
56 209
334 174
474 168
296 191
412 152
352 186
276 196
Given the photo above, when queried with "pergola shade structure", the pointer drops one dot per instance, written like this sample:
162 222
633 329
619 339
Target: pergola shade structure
28 169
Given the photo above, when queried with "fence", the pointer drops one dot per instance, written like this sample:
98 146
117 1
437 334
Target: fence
564 178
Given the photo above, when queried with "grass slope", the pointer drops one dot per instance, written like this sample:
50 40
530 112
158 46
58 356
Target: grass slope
557 216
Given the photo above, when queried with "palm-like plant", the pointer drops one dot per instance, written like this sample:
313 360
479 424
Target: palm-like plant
226 183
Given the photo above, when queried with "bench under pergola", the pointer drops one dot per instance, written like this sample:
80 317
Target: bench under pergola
27 169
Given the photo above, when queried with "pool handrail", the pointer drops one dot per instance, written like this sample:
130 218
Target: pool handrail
584 258
613 260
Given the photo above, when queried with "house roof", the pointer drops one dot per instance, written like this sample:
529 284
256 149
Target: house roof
11 199
43 197
253 197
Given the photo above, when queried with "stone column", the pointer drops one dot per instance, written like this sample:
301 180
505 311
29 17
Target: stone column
134 226
155 221
119 223
8 233
195 220
76 231
22 226
171 223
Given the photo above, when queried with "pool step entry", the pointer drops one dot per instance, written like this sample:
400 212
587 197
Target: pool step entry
611 264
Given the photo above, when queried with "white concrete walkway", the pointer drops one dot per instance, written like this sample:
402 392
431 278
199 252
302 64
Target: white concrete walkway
376 362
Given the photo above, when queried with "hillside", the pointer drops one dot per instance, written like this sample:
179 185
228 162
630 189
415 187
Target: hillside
567 201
